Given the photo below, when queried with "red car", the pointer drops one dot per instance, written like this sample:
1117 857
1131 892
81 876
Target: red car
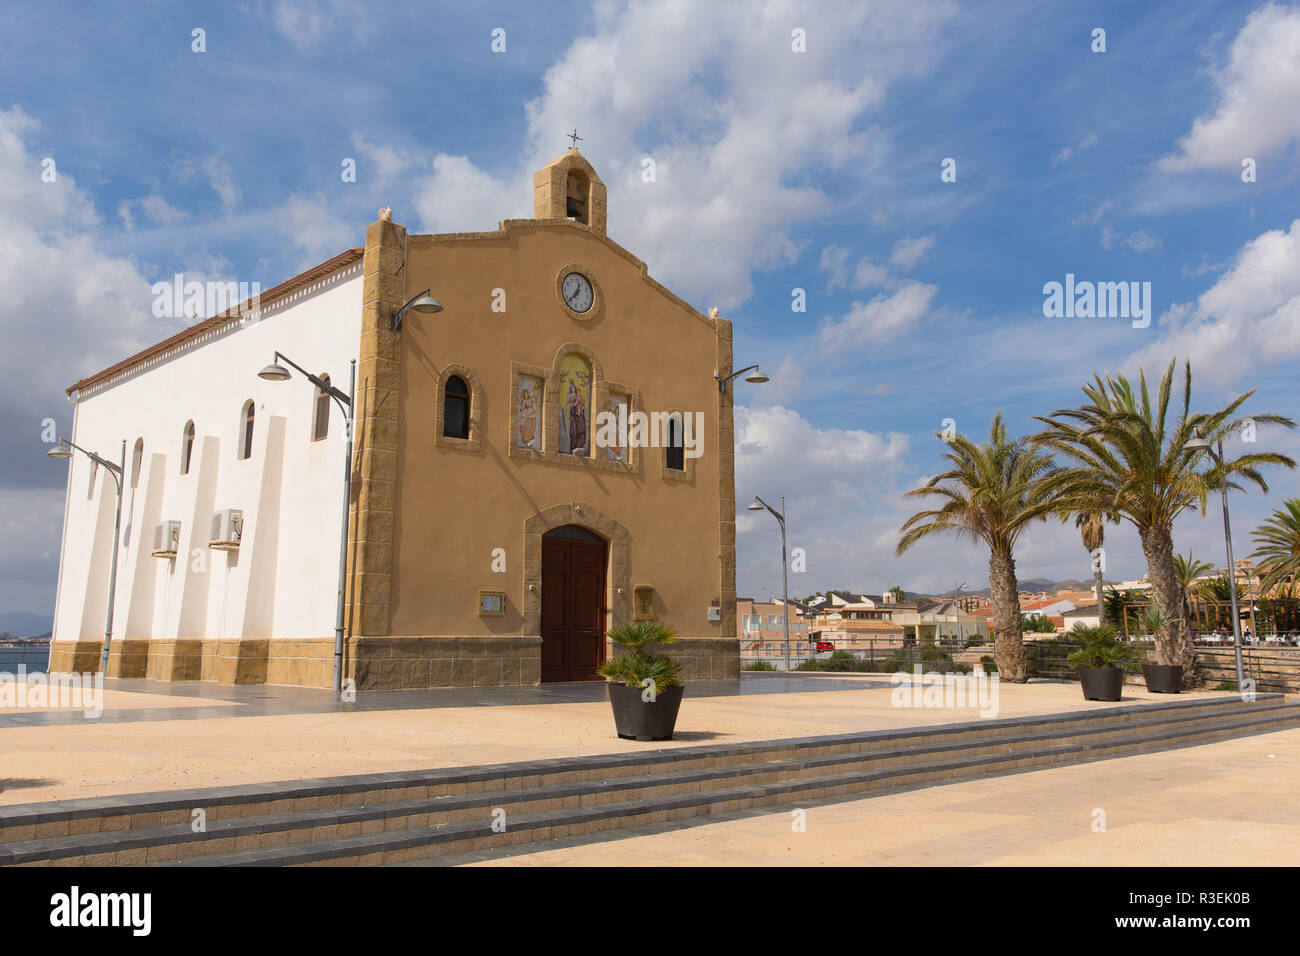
824 646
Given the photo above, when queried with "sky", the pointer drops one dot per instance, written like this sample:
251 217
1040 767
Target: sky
913 174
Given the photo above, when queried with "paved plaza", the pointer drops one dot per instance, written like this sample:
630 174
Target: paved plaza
1233 803
173 736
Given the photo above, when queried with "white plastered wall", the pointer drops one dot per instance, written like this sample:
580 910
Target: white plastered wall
282 581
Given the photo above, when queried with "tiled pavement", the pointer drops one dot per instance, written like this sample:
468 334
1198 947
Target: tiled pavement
267 700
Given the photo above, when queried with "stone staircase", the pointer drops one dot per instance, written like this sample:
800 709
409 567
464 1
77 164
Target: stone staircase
385 818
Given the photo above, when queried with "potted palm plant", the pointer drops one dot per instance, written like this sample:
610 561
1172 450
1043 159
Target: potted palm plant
1161 678
1100 661
645 688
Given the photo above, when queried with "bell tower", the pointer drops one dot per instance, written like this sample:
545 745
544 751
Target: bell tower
568 188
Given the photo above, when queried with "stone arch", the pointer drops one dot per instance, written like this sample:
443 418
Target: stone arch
618 592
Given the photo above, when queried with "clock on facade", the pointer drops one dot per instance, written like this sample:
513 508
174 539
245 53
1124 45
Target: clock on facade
577 292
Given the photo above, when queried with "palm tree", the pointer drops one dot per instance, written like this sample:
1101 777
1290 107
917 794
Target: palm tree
1277 548
990 494
1129 458
1092 529
1187 569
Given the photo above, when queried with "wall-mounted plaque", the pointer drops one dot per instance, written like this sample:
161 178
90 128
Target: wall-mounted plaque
643 603
491 603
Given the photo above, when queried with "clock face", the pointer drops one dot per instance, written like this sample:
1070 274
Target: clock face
576 291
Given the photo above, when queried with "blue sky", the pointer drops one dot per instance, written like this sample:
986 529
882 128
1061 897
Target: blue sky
775 170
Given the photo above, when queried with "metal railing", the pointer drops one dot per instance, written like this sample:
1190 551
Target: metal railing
34 657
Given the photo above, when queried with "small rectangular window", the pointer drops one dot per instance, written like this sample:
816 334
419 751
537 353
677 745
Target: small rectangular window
675 452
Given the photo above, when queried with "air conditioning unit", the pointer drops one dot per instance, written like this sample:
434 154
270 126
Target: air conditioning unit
166 539
227 529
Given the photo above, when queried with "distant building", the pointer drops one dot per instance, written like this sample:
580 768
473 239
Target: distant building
940 621
1086 614
761 629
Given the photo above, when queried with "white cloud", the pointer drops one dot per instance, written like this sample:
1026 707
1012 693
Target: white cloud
869 275
67 309
908 252
733 119
218 174
834 262
1140 241
1252 312
883 318
833 481
1256 111
157 209
305 24
384 162
1064 155
307 223
459 197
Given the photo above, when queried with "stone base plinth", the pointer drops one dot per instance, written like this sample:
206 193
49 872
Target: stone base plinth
399 663
175 659
129 658
76 657
373 663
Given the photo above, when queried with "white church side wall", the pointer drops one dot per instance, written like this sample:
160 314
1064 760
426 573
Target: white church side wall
283 578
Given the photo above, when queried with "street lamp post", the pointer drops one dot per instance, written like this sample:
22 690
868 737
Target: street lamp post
956 595
1204 444
276 372
758 504
59 451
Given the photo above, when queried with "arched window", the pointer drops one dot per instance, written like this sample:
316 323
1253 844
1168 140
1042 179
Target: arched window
320 426
455 408
575 199
246 432
187 447
674 447
137 457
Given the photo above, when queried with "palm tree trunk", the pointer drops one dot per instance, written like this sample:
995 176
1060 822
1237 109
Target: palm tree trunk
1008 642
1097 586
1173 643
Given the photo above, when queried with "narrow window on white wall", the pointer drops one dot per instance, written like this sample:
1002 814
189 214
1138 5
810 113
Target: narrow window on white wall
137 457
246 432
320 426
187 447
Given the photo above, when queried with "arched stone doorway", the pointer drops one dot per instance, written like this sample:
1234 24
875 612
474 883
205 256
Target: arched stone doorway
573 603
616 607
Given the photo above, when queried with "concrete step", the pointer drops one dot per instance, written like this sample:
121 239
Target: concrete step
22 822
412 845
467 816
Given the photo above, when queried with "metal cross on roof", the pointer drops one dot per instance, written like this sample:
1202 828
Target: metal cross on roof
574 136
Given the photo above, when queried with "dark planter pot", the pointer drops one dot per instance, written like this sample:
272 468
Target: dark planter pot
1101 683
1163 678
635 719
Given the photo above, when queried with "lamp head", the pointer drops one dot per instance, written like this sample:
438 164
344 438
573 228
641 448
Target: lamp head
1199 444
274 373
427 304
755 505
59 451
757 377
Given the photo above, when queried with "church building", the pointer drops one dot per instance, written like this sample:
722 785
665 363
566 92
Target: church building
542 451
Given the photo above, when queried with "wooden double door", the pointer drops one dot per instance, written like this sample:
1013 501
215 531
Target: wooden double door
573 604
